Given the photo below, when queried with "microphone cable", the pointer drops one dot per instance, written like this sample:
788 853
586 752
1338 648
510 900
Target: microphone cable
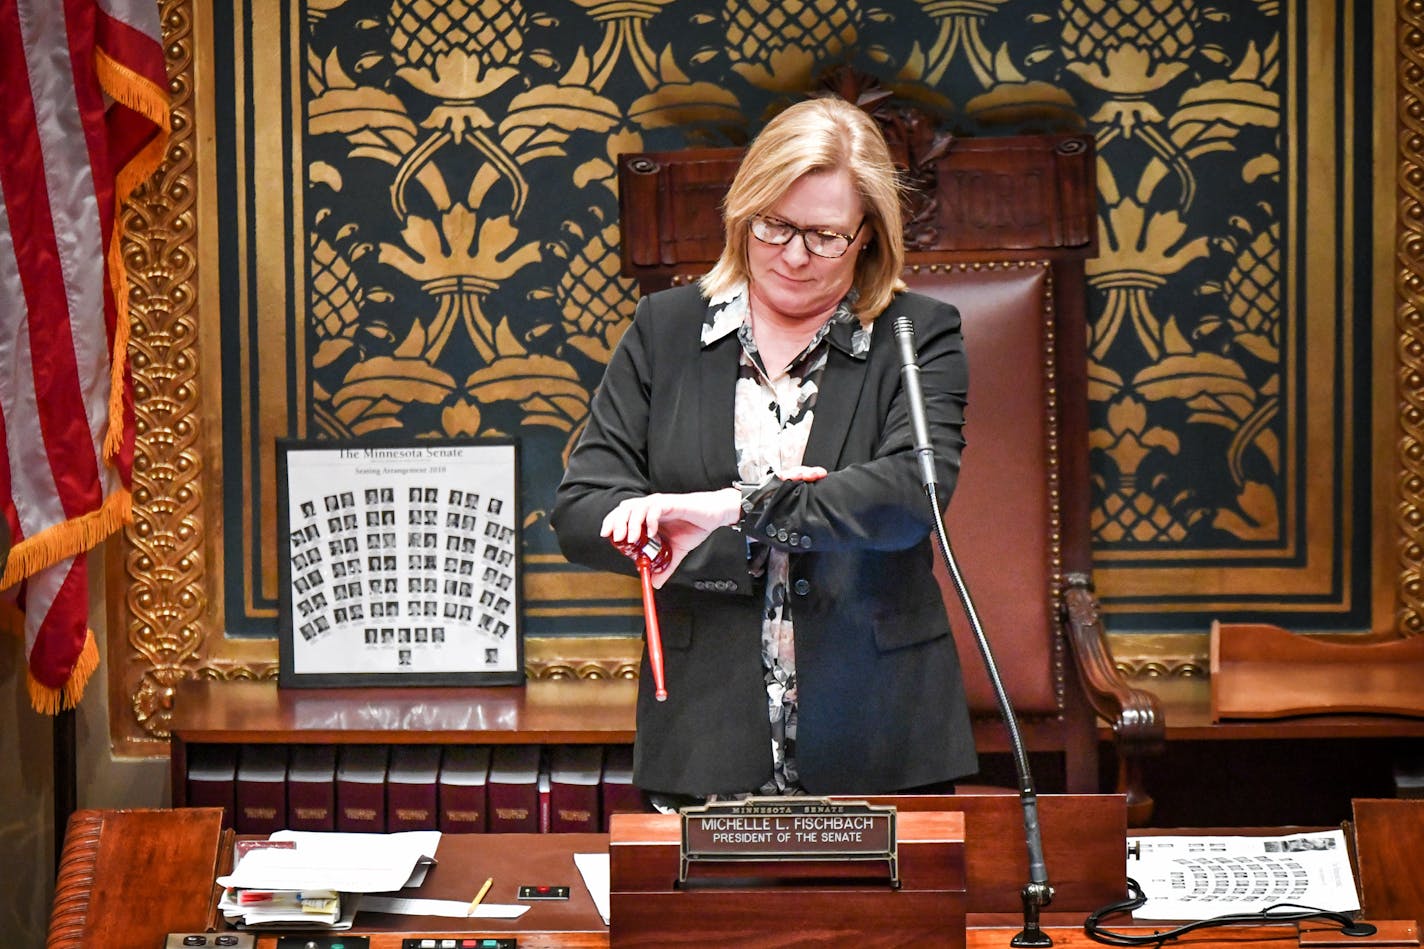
1271 915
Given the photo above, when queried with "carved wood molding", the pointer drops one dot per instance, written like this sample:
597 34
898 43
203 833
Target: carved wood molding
1133 713
1409 287
159 598
582 657
1147 658
69 910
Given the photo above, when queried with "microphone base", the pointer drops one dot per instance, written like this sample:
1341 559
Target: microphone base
1034 938
1035 896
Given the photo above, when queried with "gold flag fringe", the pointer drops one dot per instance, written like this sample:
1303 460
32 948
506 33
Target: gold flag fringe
67 538
48 700
139 94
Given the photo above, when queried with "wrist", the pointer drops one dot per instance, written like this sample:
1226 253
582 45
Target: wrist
752 496
730 501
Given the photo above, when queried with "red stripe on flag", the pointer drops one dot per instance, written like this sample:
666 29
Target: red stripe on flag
60 639
134 48
13 127
22 182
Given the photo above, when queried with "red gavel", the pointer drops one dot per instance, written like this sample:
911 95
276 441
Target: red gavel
651 554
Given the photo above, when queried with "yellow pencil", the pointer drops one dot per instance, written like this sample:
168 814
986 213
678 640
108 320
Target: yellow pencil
480 895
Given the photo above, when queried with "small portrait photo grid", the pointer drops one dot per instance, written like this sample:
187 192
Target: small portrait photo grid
403 563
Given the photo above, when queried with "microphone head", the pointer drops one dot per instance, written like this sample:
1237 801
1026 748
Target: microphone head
904 326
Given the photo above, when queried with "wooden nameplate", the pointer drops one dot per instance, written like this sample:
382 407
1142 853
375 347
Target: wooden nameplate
773 905
1264 671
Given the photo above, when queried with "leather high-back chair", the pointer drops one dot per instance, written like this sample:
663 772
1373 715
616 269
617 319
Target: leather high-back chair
999 227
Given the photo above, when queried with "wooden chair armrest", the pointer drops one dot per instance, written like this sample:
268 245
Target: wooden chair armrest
1138 724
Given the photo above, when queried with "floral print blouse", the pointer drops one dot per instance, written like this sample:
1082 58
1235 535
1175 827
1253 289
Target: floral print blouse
773 419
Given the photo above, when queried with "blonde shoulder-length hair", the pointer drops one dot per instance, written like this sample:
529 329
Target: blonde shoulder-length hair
824 134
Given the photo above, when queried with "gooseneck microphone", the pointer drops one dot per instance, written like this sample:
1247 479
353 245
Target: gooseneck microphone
915 399
1037 892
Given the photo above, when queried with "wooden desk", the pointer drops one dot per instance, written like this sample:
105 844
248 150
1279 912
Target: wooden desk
1391 833
1300 770
128 877
1186 705
465 861
983 933
995 933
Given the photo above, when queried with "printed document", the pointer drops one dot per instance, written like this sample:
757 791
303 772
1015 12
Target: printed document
1191 878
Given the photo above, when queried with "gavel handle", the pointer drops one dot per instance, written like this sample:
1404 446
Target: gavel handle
655 636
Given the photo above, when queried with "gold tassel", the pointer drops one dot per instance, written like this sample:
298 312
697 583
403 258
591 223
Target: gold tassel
135 92
67 539
48 700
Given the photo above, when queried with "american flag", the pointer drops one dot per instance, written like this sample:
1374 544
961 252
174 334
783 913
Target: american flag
83 122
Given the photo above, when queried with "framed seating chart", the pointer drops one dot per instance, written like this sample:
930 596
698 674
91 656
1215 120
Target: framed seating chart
402 565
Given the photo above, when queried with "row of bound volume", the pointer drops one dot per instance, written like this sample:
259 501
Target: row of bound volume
456 789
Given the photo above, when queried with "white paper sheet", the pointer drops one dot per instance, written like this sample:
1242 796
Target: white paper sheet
350 863
594 869
456 908
1191 878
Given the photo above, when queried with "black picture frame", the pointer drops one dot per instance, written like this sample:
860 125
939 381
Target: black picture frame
402 563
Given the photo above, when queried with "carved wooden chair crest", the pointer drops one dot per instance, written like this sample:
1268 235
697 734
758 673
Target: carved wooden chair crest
1000 227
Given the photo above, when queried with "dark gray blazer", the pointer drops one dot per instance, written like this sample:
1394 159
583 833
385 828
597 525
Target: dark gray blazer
881 700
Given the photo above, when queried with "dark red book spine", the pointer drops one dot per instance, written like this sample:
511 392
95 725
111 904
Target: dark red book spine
261 796
311 788
361 790
462 796
360 807
513 808
462 808
410 806
514 790
311 805
574 773
618 792
212 779
619 798
574 808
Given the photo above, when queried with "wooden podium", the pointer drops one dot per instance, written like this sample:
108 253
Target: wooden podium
127 878
1388 838
786 904
958 855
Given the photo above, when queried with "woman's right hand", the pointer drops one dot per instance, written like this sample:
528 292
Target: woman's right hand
683 521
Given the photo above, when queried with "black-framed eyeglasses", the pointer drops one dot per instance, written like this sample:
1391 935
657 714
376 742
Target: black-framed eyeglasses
818 240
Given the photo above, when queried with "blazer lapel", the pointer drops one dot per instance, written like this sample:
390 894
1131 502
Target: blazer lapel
841 383
716 390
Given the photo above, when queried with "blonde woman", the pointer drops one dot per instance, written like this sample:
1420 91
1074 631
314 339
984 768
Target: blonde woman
755 423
